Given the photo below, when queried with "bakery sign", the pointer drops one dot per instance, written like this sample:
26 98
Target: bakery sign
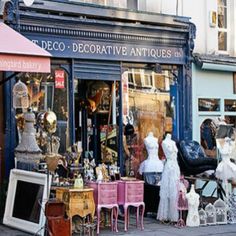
76 48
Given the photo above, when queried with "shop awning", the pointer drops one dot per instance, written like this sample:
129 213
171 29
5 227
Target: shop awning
19 54
215 62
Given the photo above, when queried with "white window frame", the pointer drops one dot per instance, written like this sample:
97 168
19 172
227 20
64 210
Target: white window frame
225 30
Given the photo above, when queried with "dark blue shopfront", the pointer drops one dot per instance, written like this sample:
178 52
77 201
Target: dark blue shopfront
104 51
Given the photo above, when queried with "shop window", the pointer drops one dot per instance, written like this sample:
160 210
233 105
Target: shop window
222 25
208 104
147 107
230 105
49 92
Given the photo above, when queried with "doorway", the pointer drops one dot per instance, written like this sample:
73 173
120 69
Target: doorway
96 119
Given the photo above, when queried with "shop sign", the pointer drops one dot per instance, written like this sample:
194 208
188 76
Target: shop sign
59 79
72 48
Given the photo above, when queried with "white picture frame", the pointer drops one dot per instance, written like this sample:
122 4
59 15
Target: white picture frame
26 198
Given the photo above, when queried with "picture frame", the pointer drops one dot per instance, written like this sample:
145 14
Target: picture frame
26 198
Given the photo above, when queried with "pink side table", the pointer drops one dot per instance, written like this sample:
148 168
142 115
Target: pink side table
131 193
105 196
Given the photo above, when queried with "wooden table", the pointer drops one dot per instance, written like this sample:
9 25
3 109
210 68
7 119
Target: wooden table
78 201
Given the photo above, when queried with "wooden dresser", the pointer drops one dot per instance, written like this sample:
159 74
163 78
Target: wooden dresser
78 201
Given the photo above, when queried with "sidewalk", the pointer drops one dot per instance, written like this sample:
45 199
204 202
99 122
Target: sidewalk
151 228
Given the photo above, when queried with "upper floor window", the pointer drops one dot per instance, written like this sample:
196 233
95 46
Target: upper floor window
222 25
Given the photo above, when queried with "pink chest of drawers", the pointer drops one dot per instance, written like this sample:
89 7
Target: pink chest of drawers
104 193
130 192
105 196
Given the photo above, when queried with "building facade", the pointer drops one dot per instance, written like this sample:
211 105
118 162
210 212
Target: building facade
110 67
213 71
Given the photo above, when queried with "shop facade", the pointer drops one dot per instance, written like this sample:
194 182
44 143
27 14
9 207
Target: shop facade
110 67
216 103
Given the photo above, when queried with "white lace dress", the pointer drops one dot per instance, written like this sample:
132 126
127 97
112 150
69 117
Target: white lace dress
226 169
167 209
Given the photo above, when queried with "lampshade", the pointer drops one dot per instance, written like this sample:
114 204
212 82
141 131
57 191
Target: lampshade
20 95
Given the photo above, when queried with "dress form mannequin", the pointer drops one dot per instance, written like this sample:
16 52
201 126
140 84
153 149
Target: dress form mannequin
167 209
226 169
152 163
193 219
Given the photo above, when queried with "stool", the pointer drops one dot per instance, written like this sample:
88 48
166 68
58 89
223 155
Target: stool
105 196
130 193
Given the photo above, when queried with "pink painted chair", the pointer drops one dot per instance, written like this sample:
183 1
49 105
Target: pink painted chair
105 196
131 193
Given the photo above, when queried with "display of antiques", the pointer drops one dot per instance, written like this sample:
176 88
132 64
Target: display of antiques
89 169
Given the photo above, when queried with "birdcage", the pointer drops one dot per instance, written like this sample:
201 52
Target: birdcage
20 95
211 214
203 217
221 211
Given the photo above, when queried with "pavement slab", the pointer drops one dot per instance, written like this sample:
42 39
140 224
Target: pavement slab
152 227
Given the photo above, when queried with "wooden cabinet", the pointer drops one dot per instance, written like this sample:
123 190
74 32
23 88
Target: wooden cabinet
78 201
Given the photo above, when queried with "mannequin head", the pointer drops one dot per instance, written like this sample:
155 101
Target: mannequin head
168 136
150 134
192 188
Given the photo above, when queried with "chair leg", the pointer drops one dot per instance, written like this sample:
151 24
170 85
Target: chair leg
126 216
116 218
137 216
143 209
112 219
98 219
128 213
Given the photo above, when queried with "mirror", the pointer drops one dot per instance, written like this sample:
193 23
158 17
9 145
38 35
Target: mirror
25 209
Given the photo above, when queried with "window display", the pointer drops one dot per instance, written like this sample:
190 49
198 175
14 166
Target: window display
49 92
147 105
